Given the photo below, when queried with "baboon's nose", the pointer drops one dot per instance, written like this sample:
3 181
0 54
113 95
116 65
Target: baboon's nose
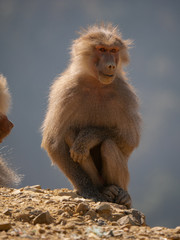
111 66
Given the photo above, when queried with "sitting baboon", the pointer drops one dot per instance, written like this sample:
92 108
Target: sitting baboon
92 122
7 176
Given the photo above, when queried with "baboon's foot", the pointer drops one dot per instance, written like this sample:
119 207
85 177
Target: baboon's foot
117 195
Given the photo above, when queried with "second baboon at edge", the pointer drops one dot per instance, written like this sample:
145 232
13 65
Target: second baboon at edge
92 123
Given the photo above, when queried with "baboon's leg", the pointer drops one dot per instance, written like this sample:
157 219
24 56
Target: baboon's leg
115 173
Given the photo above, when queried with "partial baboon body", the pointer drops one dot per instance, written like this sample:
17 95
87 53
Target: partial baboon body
7 176
92 123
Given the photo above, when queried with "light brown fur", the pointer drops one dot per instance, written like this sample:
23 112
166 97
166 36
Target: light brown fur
92 123
7 176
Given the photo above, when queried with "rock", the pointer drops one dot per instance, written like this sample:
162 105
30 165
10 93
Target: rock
132 218
138 217
66 192
116 233
5 226
70 225
91 213
82 208
23 217
62 221
64 198
49 201
93 236
101 222
104 208
79 199
117 216
7 212
177 229
17 191
35 188
44 217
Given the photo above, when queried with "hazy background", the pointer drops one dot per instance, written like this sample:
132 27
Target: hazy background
35 37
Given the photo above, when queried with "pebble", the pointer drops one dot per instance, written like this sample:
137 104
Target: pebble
69 225
23 217
7 212
49 201
104 208
177 230
44 217
5 226
93 236
116 233
91 213
66 192
82 208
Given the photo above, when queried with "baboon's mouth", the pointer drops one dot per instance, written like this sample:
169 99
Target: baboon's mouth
107 75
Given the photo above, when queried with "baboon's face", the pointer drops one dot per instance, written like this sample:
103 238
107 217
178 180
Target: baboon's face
106 61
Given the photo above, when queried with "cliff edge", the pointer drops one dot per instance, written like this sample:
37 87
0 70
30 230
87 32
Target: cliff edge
35 213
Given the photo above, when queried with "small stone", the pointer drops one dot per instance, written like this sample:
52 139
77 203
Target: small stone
23 217
93 236
138 217
65 215
177 229
41 230
60 211
29 208
91 213
133 218
7 212
79 199
70 225
116 233
117 216
71 194
36 186
5 226
44 217
104 210
62 221
124 220
104 207
82 208
49 201
64 198
17 191
157 229
101 222
114 224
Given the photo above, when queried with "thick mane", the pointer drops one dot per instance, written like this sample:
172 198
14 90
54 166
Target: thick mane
103 28
105 34
97 34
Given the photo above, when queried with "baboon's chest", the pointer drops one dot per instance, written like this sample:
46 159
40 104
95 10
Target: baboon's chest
102 108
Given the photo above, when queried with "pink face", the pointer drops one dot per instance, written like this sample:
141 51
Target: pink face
106 61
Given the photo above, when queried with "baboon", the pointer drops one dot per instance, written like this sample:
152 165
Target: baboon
7 176
92 122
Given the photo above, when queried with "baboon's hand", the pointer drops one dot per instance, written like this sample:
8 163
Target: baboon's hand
5 126
79 152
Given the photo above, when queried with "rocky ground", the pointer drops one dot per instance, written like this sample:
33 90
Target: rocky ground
35 213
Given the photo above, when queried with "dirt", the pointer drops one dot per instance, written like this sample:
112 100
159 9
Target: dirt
35 213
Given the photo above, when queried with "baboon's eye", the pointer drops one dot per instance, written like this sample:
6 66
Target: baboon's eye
102 49
114 50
